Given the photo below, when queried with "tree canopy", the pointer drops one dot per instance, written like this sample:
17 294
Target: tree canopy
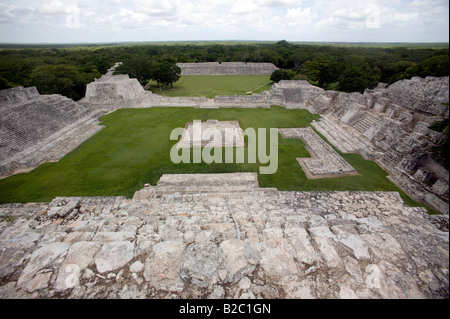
321 69
167 73
347 68
144 70
281 74
141 68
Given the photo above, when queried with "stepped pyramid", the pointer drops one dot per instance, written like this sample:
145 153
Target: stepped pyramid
35 128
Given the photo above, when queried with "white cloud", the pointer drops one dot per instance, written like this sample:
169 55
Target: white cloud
54 7
279 3
158 7
14 15
298 14
300 20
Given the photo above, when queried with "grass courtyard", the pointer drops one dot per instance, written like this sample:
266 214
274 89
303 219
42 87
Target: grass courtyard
134 148
211 85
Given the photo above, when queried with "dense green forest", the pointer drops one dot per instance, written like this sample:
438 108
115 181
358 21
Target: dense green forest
67 70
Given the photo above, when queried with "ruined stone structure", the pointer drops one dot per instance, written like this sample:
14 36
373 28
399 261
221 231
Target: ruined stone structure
222 235
119 91
389 125
113 91
324 161
212 133
383 125
241 241
38 128
227 68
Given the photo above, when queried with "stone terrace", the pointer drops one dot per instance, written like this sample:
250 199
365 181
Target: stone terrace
36 128
344 137
390 125
226 68
250 244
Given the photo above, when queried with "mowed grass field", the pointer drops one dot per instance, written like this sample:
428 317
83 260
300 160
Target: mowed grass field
134 148
211 85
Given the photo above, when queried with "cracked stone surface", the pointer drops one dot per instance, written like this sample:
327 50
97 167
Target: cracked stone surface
185 245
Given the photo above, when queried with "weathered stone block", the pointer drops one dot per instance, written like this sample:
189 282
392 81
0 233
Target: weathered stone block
201 263
114 255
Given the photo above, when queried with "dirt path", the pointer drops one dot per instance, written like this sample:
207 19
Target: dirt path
251 91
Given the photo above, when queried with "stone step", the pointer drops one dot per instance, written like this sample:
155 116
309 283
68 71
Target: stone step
340 138
204 245
365 123
204 181
389 160
201 189
229 192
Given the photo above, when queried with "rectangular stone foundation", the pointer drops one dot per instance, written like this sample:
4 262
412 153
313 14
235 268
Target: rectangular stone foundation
324 160
212 133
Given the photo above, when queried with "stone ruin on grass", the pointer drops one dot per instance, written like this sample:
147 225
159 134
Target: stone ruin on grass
226 68
222 235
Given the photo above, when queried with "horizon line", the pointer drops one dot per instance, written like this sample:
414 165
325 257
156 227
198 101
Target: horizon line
228 40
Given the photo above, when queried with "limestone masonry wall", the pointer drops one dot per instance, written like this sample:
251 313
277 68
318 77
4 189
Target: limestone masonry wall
113 90
226 68
324 160
19 94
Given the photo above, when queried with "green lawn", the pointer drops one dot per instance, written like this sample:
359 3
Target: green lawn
212 85
134 148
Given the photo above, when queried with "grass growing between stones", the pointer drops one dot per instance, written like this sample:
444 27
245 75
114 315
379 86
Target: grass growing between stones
134 148
211 85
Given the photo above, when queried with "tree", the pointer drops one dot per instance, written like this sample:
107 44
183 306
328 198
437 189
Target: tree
295 60
214 52
283 43
4 84
321 69
357 78
167 73
67 80
101 64
141 68
437 65
279 75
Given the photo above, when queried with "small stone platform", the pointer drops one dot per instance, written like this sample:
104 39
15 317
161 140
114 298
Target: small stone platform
324 160
203 183
212 133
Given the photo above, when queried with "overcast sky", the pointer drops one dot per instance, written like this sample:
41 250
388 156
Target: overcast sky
60 21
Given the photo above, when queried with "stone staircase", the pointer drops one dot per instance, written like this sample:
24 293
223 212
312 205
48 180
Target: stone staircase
30 121
203 183
389 160
38 128
52 148
365 122
344 137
